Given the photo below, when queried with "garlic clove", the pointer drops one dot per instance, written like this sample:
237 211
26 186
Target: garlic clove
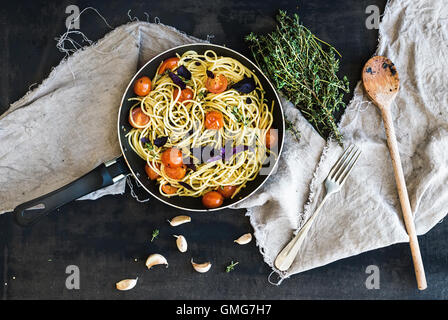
126 284
244 239
156 259
181 243
176 221
201 267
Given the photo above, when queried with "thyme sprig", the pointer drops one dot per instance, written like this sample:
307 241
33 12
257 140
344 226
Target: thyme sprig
239 117
149 146
303 68
231 266
155 234
201 95
291 128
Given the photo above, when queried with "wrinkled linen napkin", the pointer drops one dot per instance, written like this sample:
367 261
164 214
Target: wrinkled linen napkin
51 137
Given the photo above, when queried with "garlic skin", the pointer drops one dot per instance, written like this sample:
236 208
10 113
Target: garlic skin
201 267
176 221
244 239
127 284
155 259
181 243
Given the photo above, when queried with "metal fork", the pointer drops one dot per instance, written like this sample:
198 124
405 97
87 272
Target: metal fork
336 178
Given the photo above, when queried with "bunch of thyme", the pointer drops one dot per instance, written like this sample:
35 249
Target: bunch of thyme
304 69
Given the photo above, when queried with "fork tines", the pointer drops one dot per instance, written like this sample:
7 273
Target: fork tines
345 164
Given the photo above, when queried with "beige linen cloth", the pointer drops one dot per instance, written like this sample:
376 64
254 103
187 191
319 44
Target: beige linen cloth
52 136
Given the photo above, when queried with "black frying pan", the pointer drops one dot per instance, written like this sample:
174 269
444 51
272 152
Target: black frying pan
129 162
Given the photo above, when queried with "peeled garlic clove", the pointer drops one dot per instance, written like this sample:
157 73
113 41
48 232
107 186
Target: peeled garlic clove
181 243
156 259
126 284
201 267
244 239
176 221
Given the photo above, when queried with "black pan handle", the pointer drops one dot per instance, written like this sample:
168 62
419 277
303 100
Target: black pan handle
102 176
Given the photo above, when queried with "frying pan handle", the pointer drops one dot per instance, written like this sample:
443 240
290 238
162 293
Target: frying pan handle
102 176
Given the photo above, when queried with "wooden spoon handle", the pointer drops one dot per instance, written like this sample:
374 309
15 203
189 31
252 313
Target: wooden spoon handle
404 198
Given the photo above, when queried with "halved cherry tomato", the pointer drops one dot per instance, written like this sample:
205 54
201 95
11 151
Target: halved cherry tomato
168 64
271 138
176 173
168 189
214 120
151 173
212 199
227 191
185 94
137 118
142 86
217 84
172 158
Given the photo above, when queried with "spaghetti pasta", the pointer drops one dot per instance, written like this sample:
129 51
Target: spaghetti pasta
221 136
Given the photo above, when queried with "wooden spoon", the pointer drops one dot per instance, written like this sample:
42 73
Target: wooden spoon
380 78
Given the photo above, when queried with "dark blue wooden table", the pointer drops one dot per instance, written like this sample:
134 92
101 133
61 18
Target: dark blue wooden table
109 239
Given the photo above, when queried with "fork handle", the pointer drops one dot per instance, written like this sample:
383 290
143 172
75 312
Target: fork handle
286 257
404 199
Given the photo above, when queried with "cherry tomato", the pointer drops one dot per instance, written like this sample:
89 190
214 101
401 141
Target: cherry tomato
138 119
271 138
151 173
172 158
142 86
214 120
227 191
218 84
212 199
168 64
176 173
185 94
168 189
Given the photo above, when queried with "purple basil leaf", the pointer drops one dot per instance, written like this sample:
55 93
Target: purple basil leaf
191 166
144 140
160 142
247 85
186 185
210 74
177 80
183 72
